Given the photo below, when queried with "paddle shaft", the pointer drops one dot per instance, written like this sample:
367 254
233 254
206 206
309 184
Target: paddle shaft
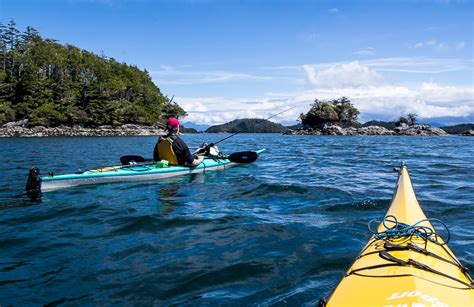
237 157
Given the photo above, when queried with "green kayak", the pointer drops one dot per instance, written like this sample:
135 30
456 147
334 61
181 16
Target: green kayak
123 173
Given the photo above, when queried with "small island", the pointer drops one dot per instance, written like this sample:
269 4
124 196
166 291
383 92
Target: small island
49 89
339 117
248 125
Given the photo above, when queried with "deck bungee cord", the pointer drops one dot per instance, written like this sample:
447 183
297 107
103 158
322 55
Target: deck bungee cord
399 230
405 232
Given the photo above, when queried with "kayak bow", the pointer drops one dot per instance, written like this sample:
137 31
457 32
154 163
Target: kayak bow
411 269
144 171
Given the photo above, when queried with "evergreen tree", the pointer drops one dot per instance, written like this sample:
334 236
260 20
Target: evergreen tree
412 119
52 84
338 111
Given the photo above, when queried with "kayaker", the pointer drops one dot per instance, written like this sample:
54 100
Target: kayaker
172 148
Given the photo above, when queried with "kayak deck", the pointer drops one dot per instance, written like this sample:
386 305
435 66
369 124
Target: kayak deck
398 269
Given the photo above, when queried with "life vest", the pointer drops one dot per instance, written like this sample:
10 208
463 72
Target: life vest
166 152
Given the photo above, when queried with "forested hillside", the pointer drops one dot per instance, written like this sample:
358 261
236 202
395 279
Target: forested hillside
457 129
52 84
248 125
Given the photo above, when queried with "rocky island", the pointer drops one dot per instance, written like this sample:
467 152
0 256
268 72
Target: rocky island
420 130
339 117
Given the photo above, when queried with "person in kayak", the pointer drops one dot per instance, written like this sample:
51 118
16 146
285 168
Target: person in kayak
172 148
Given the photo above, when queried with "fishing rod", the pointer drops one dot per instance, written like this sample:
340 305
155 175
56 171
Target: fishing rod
262 121
205 147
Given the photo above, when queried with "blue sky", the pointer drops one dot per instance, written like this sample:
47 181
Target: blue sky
231 59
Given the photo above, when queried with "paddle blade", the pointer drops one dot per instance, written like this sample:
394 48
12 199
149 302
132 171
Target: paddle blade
243 157
131 159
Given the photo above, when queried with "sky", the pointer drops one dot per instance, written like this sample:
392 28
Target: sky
223 60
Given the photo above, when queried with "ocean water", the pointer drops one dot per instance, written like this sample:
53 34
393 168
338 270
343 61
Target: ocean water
282 230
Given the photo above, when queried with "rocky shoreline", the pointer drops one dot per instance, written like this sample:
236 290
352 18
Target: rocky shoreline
39 131
420 130
20 129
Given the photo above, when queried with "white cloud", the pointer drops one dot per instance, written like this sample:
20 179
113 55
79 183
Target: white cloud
418 65
390 101
435 45
439 95
196 106
362 81
373 94
284 67
384 101
342 75
170 75
365 51
213 112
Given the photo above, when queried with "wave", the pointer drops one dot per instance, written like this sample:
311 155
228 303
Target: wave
376 205
155 224
271 190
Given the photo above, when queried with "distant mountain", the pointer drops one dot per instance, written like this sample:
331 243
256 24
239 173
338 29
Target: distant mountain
457 129
294 127
447 120
185 129
434 121
198 127
248 125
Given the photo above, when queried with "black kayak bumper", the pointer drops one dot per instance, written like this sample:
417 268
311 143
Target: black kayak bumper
33 184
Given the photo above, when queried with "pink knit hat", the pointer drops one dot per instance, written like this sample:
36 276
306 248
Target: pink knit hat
173 122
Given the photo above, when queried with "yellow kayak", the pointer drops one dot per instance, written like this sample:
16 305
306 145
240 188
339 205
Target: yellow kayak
404 263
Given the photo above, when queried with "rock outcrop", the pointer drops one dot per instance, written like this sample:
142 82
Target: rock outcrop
419 130
40 131
21 123
371 130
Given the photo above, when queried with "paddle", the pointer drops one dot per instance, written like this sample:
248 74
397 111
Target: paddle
236 157
132 159
242 157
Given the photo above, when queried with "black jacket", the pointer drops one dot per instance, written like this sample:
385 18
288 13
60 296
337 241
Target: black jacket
180 149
